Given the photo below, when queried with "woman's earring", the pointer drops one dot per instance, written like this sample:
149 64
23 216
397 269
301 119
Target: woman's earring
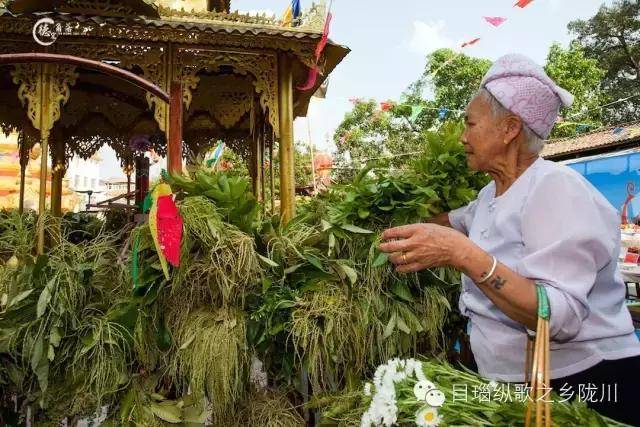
506 141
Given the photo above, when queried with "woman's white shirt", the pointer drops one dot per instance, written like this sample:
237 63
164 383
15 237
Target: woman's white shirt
554 227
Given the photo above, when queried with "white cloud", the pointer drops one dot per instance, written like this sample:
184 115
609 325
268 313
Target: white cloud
428 36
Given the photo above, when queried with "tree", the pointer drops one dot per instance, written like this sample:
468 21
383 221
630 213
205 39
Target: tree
581 76
452 78
368 132
612 37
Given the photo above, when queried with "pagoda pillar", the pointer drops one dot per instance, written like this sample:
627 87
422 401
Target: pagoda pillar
286 148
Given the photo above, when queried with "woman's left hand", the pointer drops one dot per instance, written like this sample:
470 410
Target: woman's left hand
422 246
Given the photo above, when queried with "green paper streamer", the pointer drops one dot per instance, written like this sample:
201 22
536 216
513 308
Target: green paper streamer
146 203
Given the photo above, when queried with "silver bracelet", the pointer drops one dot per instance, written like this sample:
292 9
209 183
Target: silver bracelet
493 270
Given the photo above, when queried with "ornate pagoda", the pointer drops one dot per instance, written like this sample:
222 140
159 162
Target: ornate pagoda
235 77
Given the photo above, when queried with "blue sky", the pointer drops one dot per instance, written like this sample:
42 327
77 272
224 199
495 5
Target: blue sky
390 39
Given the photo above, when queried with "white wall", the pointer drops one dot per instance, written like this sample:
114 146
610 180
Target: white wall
84 175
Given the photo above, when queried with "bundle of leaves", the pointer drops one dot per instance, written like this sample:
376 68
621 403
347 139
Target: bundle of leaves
219 261
59 344
212 358
268 408
146 404
81 227
17 234
191 331
231 195
332 298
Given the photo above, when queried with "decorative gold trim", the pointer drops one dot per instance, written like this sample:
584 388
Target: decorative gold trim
32 79
262 66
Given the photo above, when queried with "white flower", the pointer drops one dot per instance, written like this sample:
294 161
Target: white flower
383 410
428 417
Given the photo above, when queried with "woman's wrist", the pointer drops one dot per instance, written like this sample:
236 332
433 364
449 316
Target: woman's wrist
461 252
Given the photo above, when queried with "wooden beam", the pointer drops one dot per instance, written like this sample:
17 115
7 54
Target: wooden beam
58 162
53 58
287 170
175 128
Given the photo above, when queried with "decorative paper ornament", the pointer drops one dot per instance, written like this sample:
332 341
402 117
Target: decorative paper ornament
169 229
496 21
160 190
522 3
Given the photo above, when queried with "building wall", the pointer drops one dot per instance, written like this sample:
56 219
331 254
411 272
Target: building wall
84 175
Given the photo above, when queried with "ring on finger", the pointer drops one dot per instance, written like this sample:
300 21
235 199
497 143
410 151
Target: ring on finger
404 258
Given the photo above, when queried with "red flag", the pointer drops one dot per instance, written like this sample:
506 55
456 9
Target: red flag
470 42
311 80
325 37
496 21
522 3
169 229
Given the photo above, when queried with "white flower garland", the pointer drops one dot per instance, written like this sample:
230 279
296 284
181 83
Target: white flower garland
383 410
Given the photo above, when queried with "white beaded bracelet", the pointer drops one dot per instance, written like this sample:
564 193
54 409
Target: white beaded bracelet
488 275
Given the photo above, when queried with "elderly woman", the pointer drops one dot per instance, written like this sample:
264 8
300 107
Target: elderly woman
537 222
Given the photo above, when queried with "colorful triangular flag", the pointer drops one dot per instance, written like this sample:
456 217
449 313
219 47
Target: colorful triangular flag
470 42
496 21
522 3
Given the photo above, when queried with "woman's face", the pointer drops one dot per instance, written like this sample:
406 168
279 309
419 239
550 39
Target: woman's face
483 138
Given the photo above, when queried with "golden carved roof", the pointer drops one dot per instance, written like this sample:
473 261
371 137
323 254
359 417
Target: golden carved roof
217 49
90 7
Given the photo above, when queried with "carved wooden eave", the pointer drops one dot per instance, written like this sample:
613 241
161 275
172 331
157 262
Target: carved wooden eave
210 30
87 7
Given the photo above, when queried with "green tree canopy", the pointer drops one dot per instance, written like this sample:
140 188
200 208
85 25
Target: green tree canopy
581 76
612 38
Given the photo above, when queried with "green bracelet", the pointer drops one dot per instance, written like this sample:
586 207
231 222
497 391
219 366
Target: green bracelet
543 302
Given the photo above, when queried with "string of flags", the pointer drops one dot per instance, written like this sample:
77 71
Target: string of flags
494 21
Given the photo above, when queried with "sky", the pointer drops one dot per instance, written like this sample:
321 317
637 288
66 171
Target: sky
389 41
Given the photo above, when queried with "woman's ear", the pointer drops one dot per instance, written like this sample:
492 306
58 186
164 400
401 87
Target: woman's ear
512 128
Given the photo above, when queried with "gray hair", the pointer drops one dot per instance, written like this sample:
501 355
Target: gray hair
533 141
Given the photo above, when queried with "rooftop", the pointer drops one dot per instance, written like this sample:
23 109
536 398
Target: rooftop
608 139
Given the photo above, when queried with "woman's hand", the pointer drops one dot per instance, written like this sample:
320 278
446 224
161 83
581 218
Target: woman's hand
422 246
